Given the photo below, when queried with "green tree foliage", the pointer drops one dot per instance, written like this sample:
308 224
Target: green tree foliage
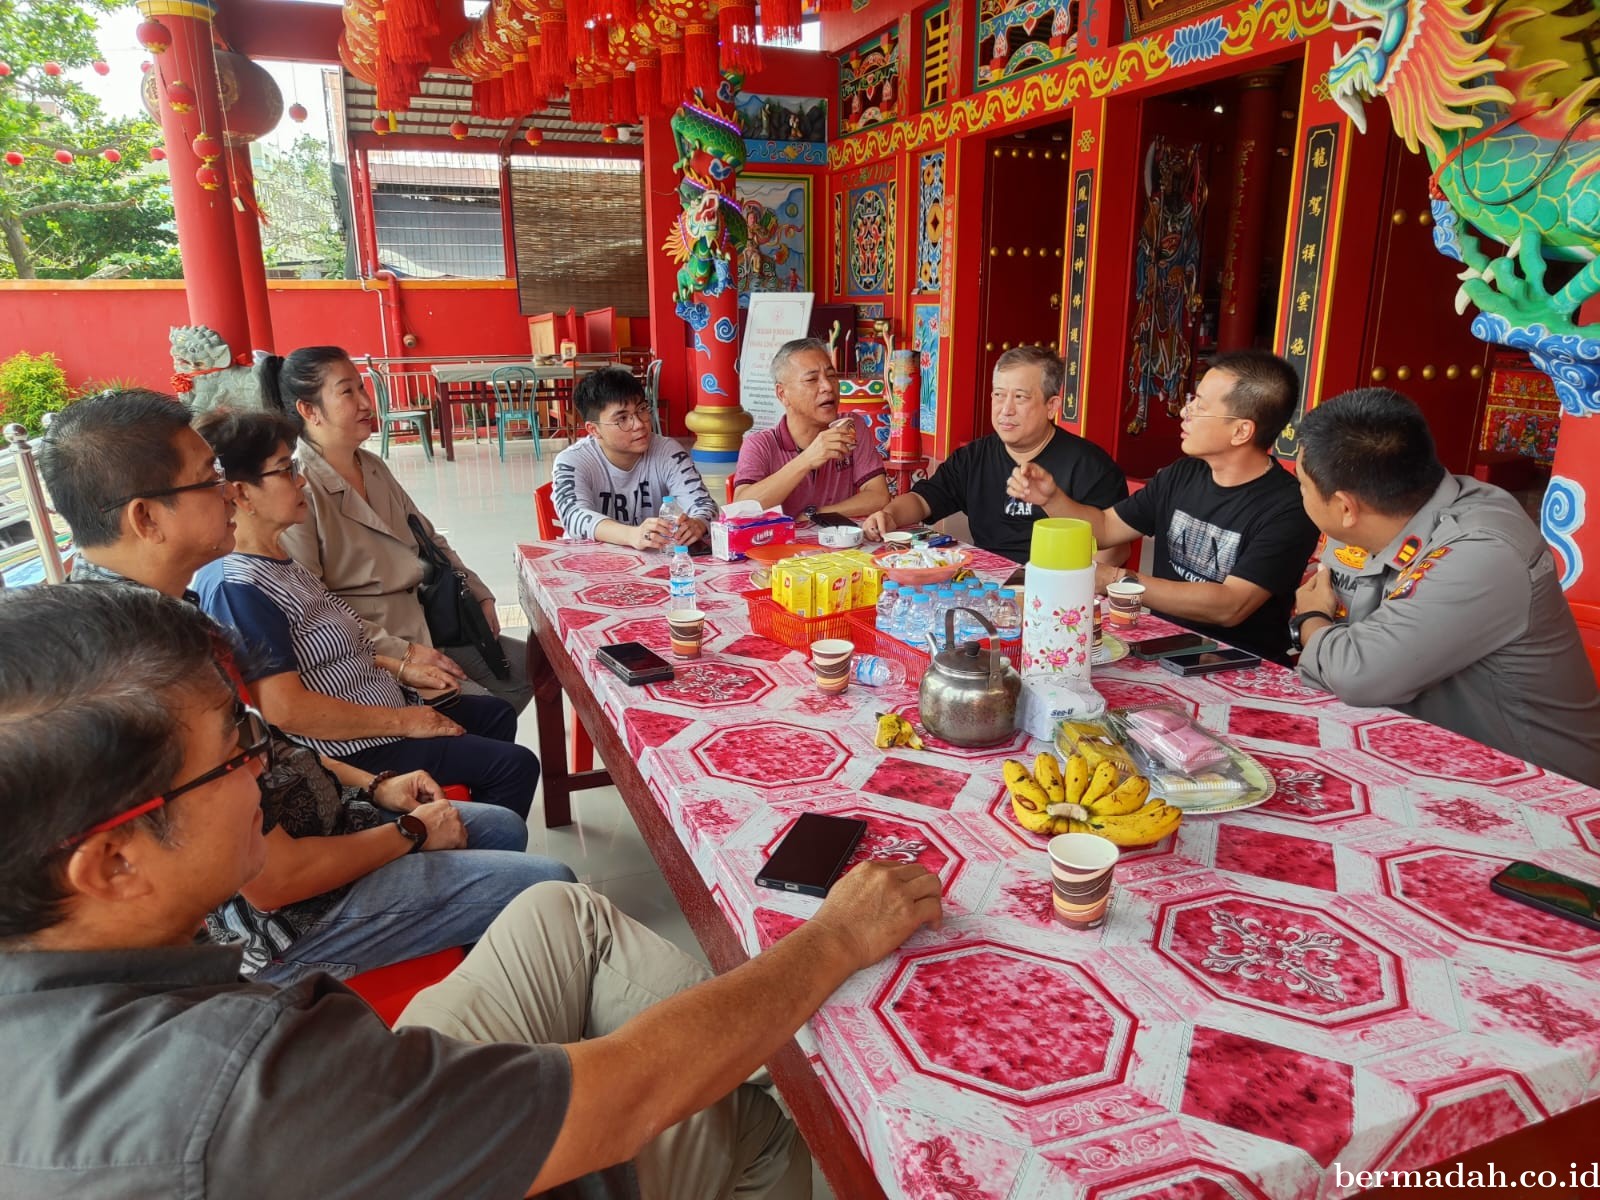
70 221
303 228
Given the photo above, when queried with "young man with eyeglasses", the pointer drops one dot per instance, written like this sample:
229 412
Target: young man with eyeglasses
1230 536
609 486
574 1052
1024 404
812 460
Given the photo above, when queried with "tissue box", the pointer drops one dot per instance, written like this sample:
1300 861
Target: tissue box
732 538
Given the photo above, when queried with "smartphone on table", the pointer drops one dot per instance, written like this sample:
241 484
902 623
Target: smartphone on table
812 854
635 663
1550 892
1210 662
1177 643
833 520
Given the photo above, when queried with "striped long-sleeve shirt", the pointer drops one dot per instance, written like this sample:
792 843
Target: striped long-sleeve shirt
287 621
587 487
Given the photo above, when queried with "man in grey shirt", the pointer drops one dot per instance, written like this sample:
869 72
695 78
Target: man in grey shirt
1436 595
573 1053
610 485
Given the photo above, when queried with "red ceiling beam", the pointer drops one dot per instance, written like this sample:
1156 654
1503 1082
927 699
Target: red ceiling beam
477 145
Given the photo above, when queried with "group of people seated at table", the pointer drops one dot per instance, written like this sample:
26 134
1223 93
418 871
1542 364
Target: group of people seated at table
224 791
224 787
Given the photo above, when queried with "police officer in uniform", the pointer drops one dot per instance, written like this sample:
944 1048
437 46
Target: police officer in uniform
1437 595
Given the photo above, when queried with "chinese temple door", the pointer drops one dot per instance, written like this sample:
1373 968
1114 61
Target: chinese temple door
1415 342
1027 193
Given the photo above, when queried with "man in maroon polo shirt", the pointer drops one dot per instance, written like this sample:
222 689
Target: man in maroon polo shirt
813 460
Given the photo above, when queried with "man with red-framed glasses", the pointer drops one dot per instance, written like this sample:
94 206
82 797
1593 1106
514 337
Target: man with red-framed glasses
140 1065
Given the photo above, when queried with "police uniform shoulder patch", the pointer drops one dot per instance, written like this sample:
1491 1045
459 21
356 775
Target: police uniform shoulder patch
1353 557
1408 550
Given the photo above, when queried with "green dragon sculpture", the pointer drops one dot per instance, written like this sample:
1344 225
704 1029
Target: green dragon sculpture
1501 101
709 234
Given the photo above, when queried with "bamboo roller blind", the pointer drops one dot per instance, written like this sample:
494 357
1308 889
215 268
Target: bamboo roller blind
579 229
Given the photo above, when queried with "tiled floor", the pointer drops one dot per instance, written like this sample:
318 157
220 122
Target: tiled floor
484 507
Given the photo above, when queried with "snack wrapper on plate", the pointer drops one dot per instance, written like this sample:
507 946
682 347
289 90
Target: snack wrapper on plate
1097 740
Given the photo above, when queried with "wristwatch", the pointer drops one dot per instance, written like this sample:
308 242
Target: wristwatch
414 830
1128 577
1299 619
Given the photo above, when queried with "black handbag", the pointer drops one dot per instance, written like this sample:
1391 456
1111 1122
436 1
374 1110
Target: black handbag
454 617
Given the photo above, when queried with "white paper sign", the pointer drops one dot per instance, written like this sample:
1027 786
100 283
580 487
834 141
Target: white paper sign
775 318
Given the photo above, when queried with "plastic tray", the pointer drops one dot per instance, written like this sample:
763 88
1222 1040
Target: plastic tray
771 620
866 635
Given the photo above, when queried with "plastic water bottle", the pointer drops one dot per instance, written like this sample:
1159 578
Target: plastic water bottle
874 671
672 513
680 581
888 604
1008 615
919 621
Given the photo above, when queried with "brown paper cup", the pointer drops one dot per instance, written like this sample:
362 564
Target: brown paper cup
686 627
1127 599
1081 867
830 660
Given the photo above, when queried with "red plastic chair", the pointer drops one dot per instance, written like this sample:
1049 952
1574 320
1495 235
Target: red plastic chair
581 750
729 489
389 989
1136 547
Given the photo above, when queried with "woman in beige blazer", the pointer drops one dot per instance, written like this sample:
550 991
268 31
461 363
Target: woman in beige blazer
357 538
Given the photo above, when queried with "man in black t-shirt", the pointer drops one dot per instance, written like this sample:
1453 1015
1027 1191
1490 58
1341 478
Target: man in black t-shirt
1231 537
1025 401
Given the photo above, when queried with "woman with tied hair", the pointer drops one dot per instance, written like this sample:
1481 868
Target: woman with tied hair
307 657
356 538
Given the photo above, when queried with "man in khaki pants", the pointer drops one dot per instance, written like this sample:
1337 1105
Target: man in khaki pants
573 1052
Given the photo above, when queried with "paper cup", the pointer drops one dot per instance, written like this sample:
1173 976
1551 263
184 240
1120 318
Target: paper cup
686 627
899 538
1126 601
830 660
1099 626
1081 866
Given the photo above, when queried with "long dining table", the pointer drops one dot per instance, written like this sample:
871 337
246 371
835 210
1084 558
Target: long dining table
470 383
1321 984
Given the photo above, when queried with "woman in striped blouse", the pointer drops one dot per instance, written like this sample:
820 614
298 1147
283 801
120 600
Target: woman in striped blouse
307 657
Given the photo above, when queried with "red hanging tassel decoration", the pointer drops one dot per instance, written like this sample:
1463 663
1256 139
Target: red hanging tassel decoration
518 94
535 73
647 86
624 13
479 96
780 20
577 18
415 24
582 43
674 88
700 71
737 19
624 104
557 49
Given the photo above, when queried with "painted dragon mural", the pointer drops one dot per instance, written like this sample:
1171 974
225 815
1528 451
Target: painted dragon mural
1502 101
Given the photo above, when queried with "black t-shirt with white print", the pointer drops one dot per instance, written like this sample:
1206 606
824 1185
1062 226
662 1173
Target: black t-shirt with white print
1203 533
973 481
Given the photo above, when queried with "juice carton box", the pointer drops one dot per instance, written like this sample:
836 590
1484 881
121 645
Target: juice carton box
794 587
835 588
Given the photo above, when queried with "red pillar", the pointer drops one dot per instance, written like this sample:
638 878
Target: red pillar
508 224
1254 124
668 333
252 262
206 239
361 212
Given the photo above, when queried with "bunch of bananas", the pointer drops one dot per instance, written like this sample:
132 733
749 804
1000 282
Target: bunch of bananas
1047 801
895 730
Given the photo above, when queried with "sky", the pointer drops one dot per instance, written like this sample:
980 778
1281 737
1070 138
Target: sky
119 91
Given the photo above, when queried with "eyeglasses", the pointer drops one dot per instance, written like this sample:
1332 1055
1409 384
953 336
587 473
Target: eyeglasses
255 741
1189 401
220 480
291 470
632 419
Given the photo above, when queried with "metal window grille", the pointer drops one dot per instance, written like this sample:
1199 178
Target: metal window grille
437 214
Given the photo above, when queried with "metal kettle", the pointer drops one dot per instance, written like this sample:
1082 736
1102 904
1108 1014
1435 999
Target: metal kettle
969 695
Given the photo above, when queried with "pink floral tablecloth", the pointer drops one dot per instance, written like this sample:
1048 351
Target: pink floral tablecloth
1324 979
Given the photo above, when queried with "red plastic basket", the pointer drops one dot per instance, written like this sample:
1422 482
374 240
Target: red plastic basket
771 620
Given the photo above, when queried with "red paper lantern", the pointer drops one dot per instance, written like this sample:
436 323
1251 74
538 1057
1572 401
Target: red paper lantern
208 178
206 147
458 130
52 69
101 67
535 137
64 157
380 126
112 156
145 67
13 158
153 36
5 69
608 133
158 154
298 113
180 96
